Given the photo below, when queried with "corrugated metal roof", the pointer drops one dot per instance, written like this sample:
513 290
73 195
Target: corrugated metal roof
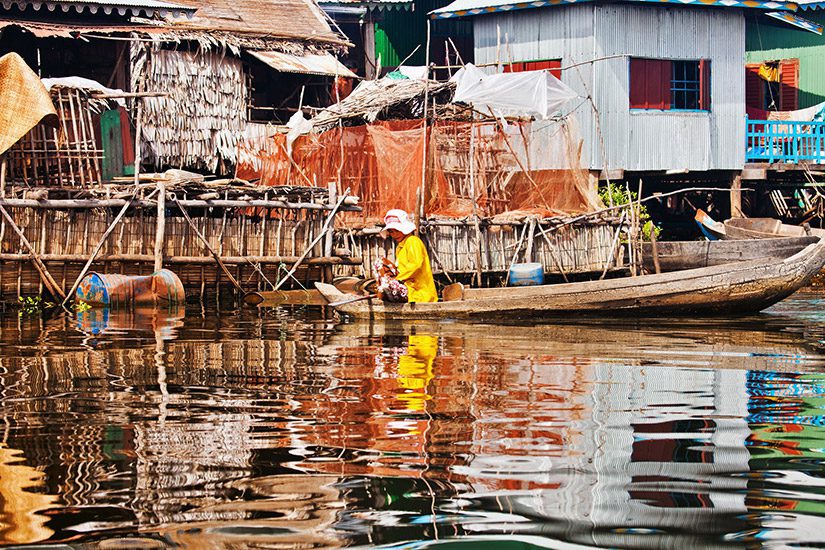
796 21
324 64
123 7
811 4
464 8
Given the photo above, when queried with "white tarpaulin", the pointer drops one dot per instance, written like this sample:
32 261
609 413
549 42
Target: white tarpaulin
529 93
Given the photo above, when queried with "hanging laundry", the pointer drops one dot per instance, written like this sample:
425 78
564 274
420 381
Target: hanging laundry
769 71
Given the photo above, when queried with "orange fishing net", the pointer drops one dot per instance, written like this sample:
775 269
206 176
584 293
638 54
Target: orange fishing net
524 167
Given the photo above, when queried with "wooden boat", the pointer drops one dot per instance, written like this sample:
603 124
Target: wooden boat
681 255
739 287
765 228
710 228
751 228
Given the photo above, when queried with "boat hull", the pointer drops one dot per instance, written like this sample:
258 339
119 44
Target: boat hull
736 288
681 255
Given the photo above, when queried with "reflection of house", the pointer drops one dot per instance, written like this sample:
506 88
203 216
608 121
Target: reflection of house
220 64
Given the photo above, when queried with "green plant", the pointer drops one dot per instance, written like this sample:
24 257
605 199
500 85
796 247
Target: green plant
618 195
33 304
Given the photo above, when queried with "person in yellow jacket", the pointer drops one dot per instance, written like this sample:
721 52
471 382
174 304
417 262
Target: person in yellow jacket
411 258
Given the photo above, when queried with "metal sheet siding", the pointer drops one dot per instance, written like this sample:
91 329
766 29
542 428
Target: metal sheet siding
638 140
671 140
563 32
769 42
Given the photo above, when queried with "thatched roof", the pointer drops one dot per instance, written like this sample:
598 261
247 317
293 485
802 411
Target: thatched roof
274 19
382 99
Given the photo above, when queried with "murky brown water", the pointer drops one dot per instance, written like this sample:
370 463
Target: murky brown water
282 428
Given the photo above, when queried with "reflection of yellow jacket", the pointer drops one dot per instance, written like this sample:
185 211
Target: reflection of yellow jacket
415 370
414 270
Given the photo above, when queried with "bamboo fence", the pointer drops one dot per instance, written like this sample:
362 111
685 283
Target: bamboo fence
257 241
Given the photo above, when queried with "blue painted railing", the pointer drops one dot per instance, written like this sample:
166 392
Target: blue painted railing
789 141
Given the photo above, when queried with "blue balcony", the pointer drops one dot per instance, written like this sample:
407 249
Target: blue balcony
785 141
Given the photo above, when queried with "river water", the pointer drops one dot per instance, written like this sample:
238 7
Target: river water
285 428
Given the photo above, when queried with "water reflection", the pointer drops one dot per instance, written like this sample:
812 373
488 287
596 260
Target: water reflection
284 427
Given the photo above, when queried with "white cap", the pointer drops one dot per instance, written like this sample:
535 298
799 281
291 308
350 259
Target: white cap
398 220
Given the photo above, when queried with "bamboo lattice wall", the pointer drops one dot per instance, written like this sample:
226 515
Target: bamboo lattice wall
576 249
64 239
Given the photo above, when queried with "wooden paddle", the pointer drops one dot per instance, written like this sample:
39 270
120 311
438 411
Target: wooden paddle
351 300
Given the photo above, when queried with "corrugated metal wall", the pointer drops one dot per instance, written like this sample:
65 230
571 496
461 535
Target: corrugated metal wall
563 32
768 42
637 140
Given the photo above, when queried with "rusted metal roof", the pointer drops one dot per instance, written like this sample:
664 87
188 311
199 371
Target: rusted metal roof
323 64
122 7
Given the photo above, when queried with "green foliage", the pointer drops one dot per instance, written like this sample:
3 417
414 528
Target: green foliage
31 305
619 195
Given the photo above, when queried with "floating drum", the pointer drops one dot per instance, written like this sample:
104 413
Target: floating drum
160 288
526 274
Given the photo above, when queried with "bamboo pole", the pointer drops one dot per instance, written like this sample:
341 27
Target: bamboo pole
81 204
160 228
208 246
553 255
422 190
476 222
3 175
96 251
611 254
316 240
53 287
138 130
328 238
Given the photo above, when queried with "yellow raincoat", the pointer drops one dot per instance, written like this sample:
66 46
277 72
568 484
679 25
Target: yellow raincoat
414 270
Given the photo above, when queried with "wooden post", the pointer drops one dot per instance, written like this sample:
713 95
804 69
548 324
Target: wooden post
654 249
333 198
138 130
736 196
309 248
96 251
476 223
2 175
419 213
160 229
53 287
209 247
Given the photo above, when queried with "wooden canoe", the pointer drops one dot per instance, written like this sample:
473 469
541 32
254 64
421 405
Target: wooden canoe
761 228
681 255
740 287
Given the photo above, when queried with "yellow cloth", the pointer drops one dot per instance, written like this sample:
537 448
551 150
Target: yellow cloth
414 270
769 71
24 101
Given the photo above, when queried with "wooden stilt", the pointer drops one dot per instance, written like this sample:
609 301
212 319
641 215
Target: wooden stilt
208 247
160 229
54 289
316 240
97 250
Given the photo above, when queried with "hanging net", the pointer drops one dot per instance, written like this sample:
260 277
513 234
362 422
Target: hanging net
528 167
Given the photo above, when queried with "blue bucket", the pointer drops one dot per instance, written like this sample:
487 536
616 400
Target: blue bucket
526 274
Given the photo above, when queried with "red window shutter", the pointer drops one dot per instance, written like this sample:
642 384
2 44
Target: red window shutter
704 84
650 83
555 68
754 87
789 84
638 83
